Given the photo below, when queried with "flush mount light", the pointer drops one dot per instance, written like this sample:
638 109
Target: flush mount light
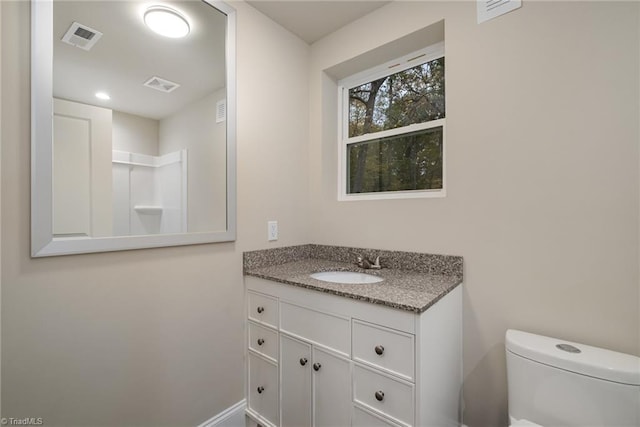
103 95
166 22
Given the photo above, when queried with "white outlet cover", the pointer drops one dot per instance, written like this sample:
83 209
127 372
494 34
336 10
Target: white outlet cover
272 230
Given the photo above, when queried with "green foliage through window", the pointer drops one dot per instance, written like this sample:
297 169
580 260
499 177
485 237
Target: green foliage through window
399 163
415 95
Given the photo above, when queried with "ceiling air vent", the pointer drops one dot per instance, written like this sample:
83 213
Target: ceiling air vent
81 36
162 85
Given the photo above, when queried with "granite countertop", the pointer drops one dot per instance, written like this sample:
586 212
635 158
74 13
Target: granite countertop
412 281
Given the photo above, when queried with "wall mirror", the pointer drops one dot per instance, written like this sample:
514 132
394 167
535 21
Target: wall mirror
133 125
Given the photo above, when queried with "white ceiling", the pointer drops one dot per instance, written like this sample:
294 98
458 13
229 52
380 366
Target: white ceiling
311 20
128 54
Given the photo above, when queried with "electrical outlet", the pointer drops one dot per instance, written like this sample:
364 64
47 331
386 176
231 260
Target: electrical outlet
272 230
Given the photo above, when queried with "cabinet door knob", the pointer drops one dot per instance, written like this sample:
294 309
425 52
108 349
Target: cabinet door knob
260 341
260 390
317 366
379 350
303 361
260 309
379 395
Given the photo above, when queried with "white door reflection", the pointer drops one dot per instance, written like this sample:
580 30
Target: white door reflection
82 170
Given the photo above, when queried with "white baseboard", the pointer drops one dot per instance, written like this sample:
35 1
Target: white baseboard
233 416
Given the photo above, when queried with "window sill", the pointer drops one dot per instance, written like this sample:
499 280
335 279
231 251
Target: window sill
394 195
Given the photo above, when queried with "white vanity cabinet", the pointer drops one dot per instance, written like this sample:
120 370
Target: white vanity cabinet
317 359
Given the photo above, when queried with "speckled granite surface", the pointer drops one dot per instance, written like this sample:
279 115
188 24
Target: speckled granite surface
412 281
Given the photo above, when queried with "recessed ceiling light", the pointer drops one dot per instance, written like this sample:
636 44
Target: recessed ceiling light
166 22
103 95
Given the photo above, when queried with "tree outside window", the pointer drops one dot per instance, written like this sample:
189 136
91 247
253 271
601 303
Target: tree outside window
395 131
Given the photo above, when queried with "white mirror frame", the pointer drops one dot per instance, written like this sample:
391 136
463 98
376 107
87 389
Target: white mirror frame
43 242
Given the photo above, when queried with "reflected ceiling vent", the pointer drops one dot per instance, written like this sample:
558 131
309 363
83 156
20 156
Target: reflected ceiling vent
81 36
162 85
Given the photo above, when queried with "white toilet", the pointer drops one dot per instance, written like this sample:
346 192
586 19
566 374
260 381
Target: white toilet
555 383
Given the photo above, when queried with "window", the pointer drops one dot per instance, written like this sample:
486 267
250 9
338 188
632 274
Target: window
392 129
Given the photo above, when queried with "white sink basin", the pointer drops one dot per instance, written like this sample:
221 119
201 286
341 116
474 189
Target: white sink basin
347 277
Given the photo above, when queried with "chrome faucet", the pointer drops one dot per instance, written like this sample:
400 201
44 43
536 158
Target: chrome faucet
366 263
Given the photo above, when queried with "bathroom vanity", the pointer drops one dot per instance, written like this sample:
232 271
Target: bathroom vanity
334 354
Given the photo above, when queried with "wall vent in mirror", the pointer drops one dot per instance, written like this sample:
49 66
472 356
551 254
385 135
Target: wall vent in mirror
221 111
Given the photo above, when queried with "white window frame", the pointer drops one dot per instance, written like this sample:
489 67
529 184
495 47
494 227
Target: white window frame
403 63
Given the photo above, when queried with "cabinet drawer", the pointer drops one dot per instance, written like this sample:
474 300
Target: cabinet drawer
384 348
263 340
384 394
364 418
263 388
318 327
263 309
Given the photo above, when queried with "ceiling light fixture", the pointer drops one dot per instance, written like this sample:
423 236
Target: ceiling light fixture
103 95
166 22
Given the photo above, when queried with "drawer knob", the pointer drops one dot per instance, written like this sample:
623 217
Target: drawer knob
303 361
260 341
260 309
379 395
317 366
260 390
379 350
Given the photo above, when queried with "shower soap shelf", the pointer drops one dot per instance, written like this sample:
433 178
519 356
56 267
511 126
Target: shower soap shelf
148 210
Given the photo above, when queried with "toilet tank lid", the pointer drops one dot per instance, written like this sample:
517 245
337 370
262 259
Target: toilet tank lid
592 361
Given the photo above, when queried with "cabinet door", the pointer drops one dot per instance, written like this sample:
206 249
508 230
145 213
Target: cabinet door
295 382
332 389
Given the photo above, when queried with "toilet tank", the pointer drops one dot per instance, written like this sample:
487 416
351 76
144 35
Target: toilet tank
553 382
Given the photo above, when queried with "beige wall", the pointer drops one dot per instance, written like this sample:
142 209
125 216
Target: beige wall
147 337
135 134
542 170
195 129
